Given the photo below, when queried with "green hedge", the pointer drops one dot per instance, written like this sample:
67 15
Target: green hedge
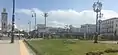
35 51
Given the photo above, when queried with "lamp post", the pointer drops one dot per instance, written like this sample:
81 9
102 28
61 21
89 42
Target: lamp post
67 30
45 16
19 31
97 6
99 26
34 15
100 16
29 27
115 34
13 19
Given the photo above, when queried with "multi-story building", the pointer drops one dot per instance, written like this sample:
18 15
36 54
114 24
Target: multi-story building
109 27
88 28
4 15
41 28
74 29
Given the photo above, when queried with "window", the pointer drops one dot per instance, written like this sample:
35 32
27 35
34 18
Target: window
116 20
112 22
88 25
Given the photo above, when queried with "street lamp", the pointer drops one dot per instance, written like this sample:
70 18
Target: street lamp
19 31
34 15
13 20
45 15
29 27
97 6
67 30
100 16
99 26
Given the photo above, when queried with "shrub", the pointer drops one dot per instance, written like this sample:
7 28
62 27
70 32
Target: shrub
94 53
108 50
111 51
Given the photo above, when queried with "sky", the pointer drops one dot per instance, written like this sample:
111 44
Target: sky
60 12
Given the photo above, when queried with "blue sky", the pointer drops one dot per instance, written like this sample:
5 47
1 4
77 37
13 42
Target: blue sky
46 5
50 5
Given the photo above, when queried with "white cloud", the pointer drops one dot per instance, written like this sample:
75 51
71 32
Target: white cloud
25 11
29 11
59 18
56 24
109 14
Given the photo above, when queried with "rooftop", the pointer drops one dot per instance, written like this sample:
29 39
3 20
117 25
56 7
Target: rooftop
111 19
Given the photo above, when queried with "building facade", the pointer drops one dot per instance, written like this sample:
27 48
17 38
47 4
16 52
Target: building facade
109 27
41 28
74 29
4 21
88 28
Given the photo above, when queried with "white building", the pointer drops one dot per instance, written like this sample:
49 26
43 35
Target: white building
74 29
41 28
88 28
109 26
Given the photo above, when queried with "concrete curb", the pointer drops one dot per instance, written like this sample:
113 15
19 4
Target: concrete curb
23 48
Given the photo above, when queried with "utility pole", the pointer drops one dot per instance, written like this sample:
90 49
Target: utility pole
13 20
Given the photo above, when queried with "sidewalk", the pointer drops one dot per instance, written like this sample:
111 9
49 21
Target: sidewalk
16 48
109 42
6 48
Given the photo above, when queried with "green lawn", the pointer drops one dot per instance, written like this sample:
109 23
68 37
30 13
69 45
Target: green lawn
57 47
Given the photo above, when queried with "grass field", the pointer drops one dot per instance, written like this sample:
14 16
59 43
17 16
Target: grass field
57 47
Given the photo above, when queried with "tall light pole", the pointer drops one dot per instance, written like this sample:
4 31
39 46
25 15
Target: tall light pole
67 30
97 6
100 16
13 19
29 27
34 15
19 31
45 15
